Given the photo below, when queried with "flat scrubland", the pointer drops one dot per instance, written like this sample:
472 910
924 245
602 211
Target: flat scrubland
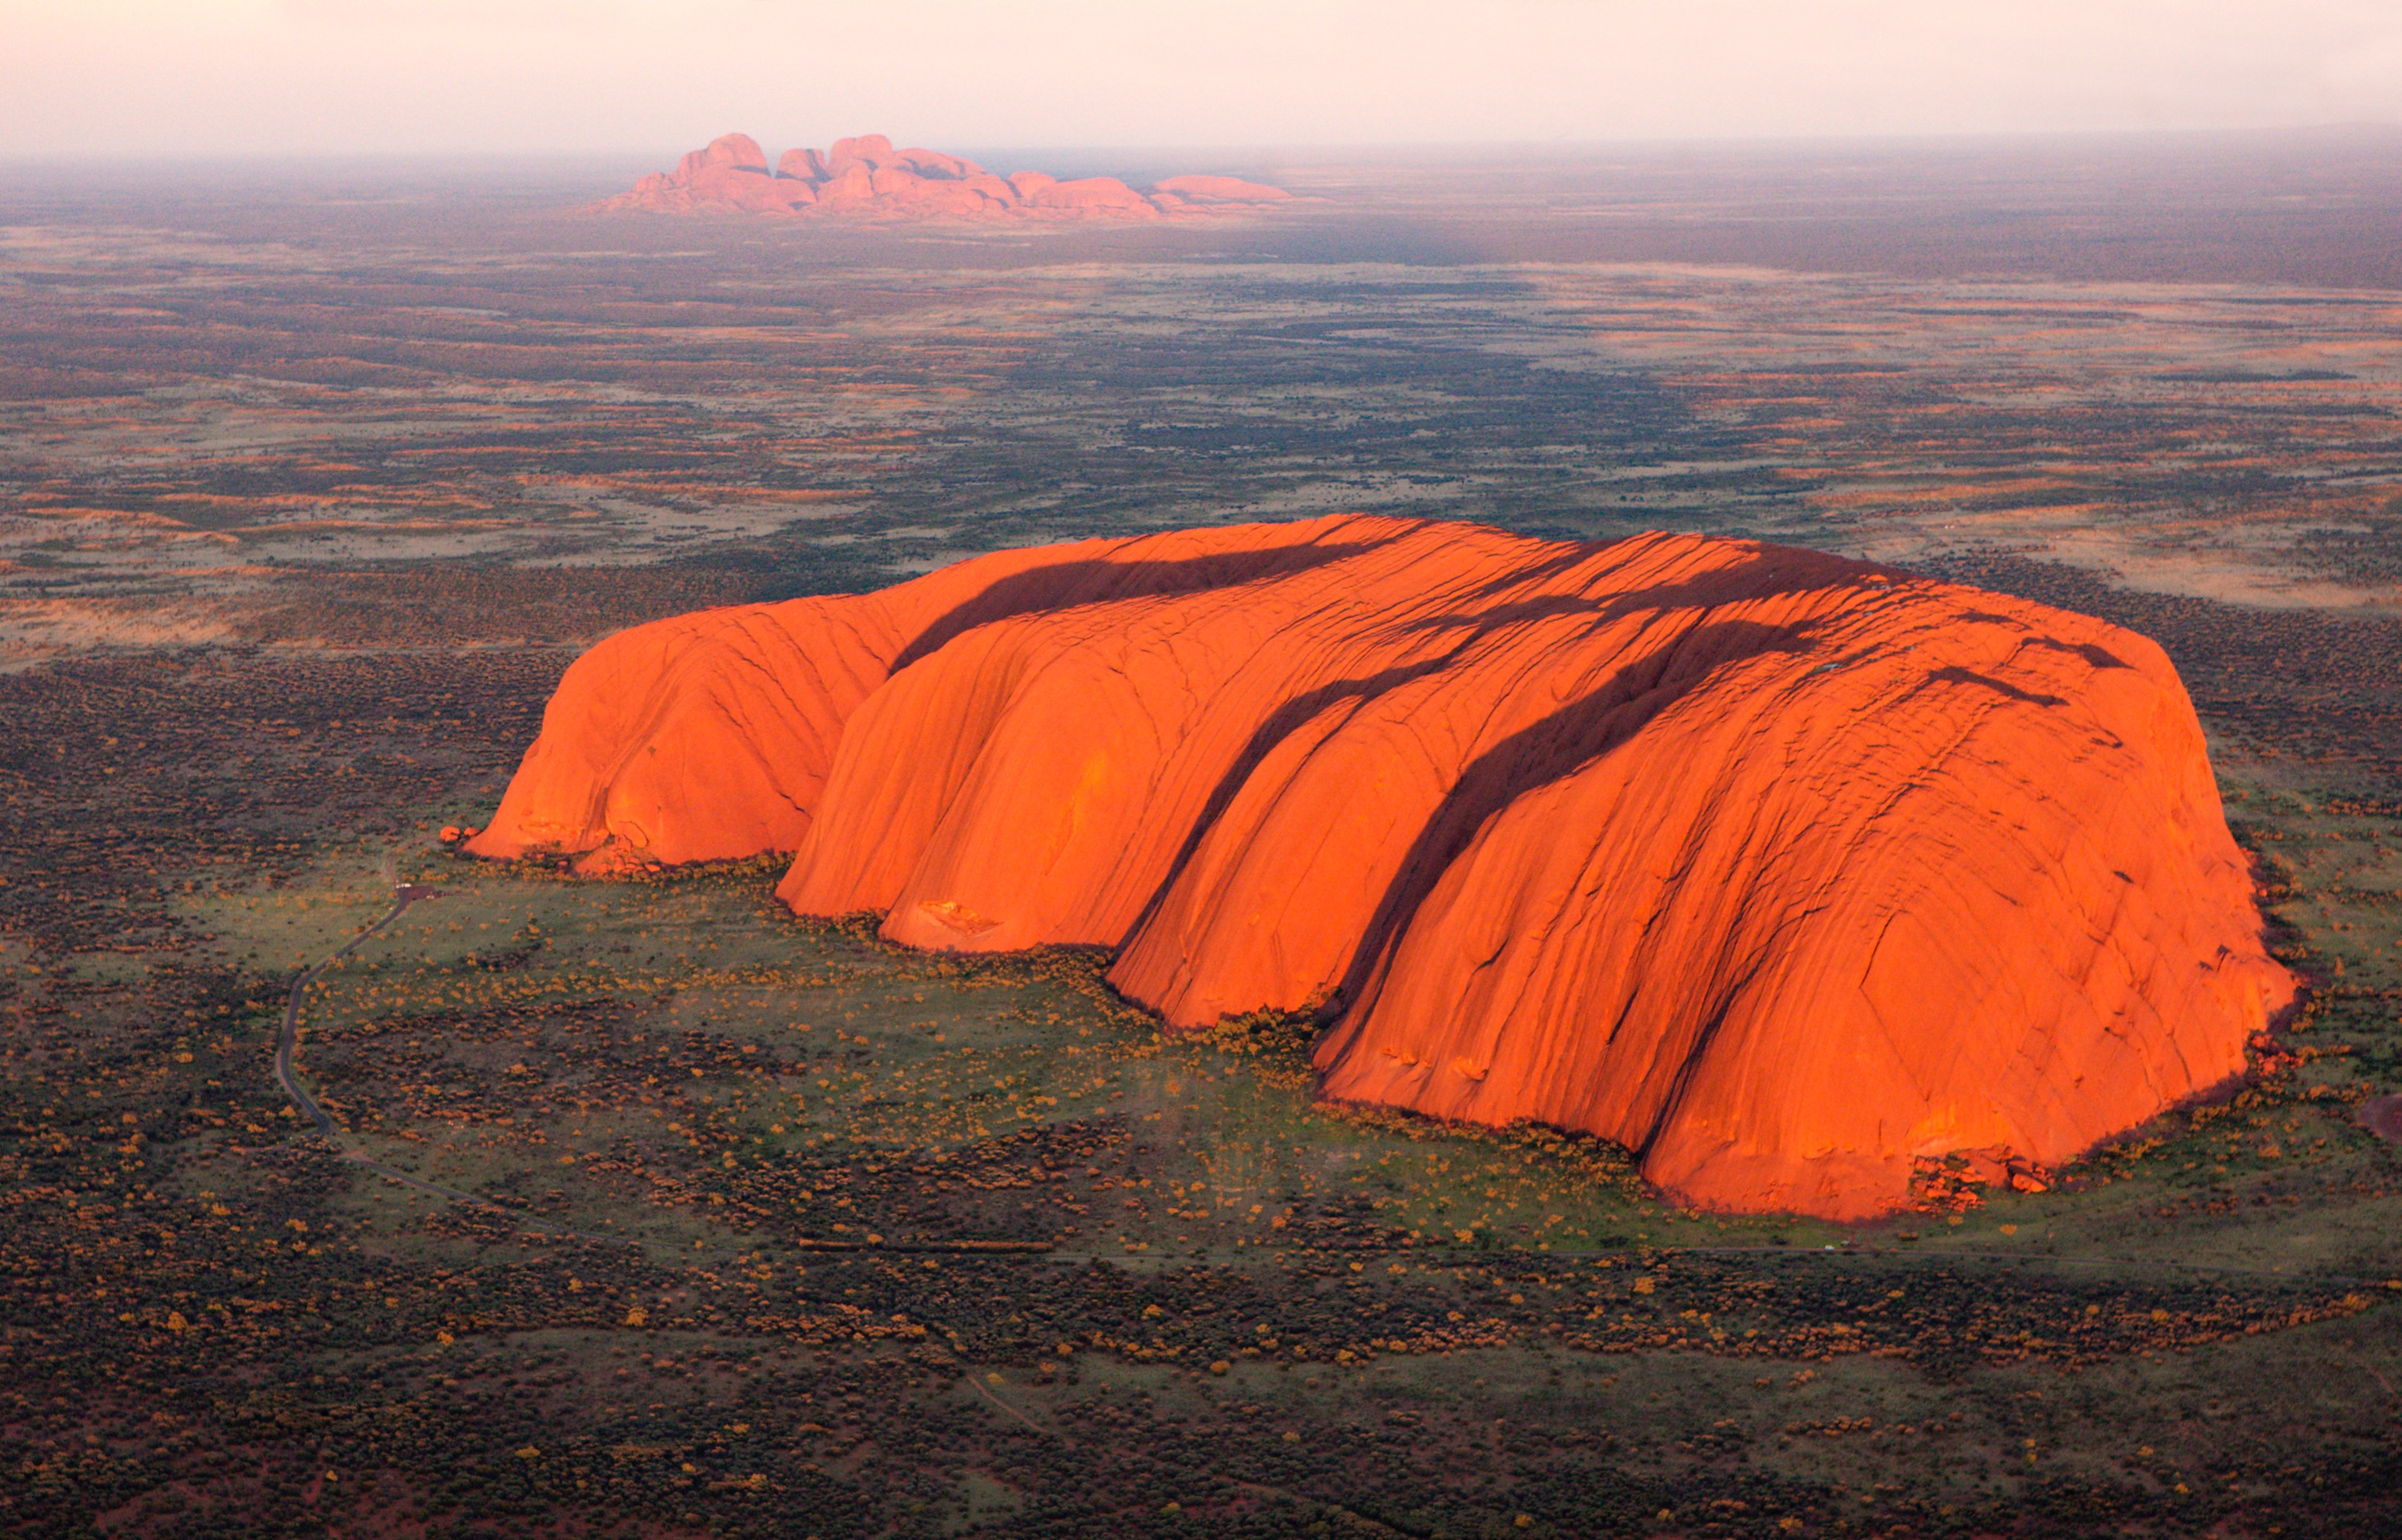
781 1230
295 424
786 1231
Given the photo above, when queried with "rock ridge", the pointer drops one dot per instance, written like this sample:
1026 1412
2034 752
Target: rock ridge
865 177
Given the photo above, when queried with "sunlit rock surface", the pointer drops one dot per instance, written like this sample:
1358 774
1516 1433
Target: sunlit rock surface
867 177
1780 869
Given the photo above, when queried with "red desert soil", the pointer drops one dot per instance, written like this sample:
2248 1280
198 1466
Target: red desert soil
1780 869
867 177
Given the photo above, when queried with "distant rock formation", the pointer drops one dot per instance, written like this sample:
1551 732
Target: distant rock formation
1782 870
867 177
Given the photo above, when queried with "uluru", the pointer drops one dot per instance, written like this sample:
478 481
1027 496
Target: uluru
866 177
1785 870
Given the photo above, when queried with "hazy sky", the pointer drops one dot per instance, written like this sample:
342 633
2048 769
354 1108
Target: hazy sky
117 77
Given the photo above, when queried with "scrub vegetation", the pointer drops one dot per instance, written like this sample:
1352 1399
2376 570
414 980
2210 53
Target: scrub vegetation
778 1230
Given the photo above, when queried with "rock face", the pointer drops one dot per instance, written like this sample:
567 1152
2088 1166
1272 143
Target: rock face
867 177
1782 870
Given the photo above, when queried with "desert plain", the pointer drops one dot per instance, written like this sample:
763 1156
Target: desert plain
314 479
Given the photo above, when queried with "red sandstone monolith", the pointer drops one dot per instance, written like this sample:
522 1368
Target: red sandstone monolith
1782 870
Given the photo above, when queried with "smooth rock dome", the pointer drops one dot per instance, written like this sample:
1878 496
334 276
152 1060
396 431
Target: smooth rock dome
1782 870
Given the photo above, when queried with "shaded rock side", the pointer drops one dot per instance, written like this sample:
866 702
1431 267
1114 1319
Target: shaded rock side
1782 870
867 177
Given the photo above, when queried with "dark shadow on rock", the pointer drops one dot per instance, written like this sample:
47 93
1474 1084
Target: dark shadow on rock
1539 755
1093 581
1760 577
1957 675
2100 657
1292 715
1282 724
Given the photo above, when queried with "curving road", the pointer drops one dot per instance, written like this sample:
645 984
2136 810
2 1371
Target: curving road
288 1039
402 897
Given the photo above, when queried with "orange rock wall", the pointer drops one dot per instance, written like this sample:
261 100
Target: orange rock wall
1780 869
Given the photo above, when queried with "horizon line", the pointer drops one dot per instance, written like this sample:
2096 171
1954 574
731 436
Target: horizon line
1931 137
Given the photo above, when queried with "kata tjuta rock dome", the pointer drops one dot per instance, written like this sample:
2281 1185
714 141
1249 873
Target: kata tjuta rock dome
1780 869
865 177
